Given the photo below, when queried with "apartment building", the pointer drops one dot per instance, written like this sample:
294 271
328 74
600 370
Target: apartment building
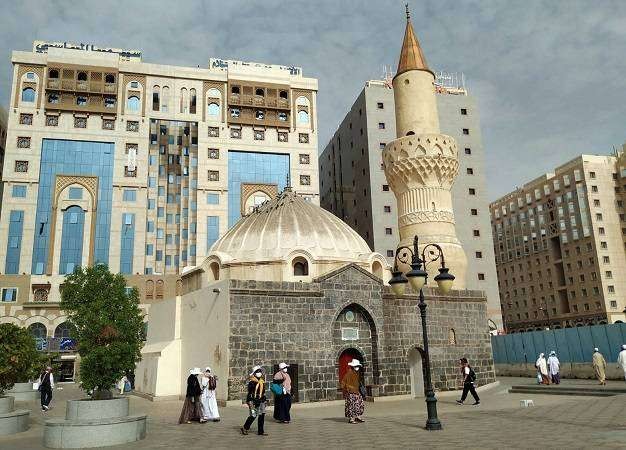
353 184
139 166
559 243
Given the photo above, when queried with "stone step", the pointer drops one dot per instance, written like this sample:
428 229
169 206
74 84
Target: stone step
565 390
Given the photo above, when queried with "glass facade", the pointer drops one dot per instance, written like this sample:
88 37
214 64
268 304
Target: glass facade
14 244
212 231
73 158
128 243
72 239
173 176
253 167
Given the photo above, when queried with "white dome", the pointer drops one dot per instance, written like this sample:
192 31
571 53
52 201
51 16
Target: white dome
290 224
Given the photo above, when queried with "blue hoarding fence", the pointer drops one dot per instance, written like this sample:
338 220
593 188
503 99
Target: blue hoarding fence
572 345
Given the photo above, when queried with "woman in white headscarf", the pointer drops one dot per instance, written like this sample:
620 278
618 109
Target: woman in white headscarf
542 369
554 366
208 384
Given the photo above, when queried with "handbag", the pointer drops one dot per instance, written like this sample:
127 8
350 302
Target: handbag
36 385
276 388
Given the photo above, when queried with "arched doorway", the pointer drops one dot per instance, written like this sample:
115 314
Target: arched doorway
344 358
416 369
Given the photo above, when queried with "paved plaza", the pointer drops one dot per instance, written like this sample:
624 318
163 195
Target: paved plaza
555 421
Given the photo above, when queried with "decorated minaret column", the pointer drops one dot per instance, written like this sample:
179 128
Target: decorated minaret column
421 164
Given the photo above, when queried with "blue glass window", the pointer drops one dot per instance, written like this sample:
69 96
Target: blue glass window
212 231
132 104
130 195
161 191
14 244
194 161
149 249
160 211
169 239
193 205
128 243
150 226
159 255
148 271
169 218
253 167
151 182
72 239
9 294
152 159
192 250
185 233
185 192
183 255
76 193
19 191
213 109
162 170
303 117
168 260
73 158
160 233
28 95
213 199
192 227
170 198
151 203
177 218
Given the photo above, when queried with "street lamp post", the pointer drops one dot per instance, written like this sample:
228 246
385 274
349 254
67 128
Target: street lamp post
417 278
545 309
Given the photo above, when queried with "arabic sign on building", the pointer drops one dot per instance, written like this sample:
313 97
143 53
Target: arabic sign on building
43 46
224 64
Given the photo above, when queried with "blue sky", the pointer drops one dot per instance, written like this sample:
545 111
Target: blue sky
549 76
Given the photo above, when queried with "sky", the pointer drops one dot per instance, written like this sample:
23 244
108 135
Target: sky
549 76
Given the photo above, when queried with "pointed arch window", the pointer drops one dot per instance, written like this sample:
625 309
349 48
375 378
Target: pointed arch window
156 98
165 98
184 100
28 95
192 101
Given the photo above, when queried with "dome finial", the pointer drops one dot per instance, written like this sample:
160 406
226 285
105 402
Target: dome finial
408 14
288 185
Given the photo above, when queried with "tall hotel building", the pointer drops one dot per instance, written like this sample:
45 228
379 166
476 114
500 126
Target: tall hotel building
353 185
559 242
140 166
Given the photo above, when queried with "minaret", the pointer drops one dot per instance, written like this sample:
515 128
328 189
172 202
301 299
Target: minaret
421 164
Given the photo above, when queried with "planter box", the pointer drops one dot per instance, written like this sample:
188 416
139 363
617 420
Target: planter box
12 421
94 423
23 392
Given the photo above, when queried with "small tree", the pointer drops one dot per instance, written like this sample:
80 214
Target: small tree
108 324
19 359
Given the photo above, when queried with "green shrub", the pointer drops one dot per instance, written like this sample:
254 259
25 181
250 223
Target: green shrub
19 359
108 324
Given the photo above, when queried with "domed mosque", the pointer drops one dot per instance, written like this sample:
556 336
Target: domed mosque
290 239
292 282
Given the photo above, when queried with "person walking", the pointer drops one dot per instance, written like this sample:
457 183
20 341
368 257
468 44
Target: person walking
353 392
46 385
621 360
257 401
121 385
554 366
542 369
208 398
599 366
469 377
282 401
192 409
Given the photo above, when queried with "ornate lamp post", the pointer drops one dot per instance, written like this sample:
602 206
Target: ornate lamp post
418 277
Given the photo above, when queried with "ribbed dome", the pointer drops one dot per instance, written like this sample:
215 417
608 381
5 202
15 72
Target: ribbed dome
287 223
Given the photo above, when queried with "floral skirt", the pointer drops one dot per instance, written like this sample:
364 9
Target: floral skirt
354 405
192 410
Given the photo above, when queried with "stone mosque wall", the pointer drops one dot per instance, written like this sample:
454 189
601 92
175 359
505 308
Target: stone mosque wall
310 325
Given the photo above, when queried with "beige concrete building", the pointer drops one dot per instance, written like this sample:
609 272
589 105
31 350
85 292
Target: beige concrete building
353 185
140 166
559 242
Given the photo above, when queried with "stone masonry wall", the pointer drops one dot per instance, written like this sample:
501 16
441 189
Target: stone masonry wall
301 323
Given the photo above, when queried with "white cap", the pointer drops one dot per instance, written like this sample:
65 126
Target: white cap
254 369
623 346
552 352
207 369
354 363
596 349
195 371
282 365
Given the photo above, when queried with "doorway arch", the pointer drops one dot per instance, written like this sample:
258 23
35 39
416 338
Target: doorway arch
416 371
347 355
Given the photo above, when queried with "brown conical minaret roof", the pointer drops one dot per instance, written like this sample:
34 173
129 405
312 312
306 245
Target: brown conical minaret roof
411 55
